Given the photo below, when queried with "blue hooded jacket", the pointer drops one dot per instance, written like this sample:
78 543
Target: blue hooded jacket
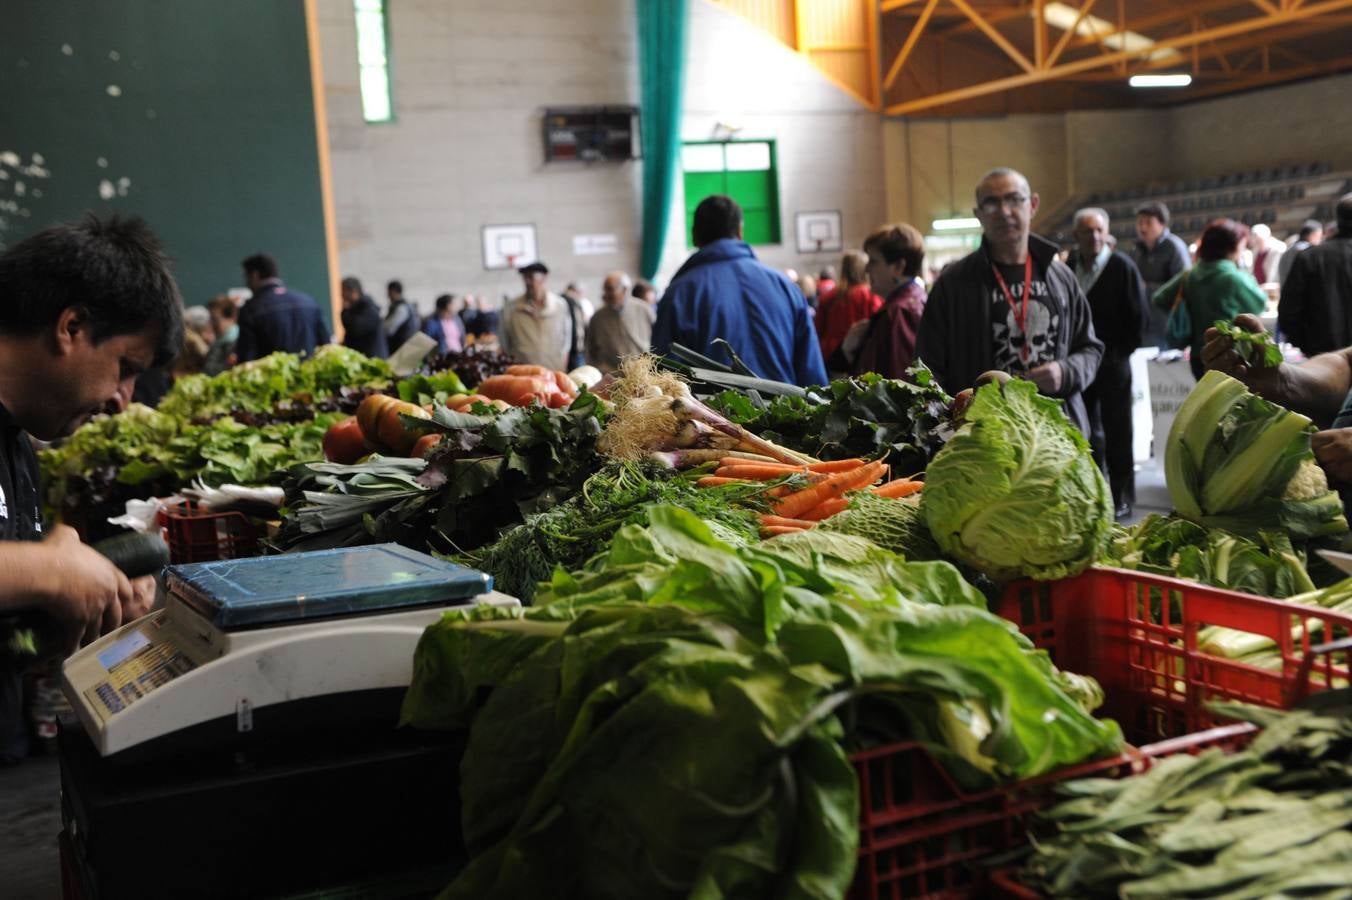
723 291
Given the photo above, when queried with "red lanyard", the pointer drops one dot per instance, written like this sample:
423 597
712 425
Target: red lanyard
1020 316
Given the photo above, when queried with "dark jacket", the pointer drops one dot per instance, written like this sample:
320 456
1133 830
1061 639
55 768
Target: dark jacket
724 291
363 329
401 323
278 318
956 336
889 346
1119 304
1313 312
1166 259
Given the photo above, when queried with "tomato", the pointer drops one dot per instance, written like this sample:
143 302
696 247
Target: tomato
343 442
368 415
390 430
424 444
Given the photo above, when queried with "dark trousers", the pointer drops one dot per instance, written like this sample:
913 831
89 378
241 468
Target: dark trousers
1108 400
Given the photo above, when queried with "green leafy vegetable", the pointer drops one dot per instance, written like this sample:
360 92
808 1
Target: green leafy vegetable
1267 566
261 383
1016 492
679 691
1267 821
895 525
867 415
1241 463
1257 349
577 529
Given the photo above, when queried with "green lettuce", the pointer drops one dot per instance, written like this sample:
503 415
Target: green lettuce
1016 492
686 706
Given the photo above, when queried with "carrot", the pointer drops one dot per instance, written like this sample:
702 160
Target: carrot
902 487
768 519
836 484
773 530
716 480
758 472
835 465
826 510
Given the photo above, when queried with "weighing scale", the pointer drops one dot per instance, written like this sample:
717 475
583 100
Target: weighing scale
264 644
242 741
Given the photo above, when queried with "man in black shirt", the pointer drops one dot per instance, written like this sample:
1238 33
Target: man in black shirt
88 307
363 327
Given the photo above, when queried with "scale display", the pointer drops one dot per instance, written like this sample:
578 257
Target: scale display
272 590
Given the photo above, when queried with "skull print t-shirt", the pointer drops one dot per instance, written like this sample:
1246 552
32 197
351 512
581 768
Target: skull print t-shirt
1023 341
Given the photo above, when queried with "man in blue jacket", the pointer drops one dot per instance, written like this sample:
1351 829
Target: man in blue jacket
723 291
276 317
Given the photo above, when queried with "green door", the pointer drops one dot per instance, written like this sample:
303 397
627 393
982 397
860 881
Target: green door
745 171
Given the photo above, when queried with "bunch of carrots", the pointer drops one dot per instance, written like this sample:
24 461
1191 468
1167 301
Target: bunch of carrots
801 509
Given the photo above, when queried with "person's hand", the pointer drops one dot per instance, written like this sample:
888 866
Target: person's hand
1047 377
1333 451
142 600
84 592
1218 352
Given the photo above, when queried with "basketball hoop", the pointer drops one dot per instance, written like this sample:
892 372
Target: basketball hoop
511 260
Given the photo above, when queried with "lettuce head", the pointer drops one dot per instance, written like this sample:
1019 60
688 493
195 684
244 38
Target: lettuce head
1016 492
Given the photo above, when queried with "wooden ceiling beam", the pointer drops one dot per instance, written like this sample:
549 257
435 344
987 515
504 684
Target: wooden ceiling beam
1070 33
995 36
911 39
1303 13
993 16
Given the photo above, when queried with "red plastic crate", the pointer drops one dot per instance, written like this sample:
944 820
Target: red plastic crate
196 535
922 836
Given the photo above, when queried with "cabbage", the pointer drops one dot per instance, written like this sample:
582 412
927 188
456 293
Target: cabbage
1016 492
1239 462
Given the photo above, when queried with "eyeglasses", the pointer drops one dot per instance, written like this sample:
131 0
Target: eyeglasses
992 205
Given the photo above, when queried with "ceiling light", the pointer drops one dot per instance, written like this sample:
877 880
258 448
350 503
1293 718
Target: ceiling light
1159 81
956 224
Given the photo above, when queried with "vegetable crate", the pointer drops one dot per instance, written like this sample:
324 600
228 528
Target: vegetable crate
922 836
196 535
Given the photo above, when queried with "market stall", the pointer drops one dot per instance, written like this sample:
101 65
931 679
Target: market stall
769 642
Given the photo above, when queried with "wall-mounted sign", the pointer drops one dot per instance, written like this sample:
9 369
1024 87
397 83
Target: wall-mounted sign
595 244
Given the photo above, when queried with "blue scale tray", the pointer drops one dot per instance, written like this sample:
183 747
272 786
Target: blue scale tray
239 594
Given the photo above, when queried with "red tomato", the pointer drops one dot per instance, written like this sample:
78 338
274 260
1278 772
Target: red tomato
343 442
424 444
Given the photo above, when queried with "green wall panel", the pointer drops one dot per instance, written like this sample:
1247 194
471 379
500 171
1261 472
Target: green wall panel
201 112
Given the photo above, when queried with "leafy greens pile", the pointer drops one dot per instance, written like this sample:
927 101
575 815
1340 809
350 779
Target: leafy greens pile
143 453
570 534
1242 463
867 415
1267 566
687 705
260 384
1269 821
1016 491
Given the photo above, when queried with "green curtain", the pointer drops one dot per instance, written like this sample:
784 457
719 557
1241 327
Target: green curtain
661 67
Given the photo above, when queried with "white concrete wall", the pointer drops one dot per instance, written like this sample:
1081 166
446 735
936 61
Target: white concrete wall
829 146
471 81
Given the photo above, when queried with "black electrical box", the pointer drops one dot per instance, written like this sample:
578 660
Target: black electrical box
592 134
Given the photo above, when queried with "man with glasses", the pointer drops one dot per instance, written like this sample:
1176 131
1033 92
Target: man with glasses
1011 306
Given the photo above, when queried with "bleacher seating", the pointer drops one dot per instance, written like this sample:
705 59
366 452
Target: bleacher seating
1281 196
